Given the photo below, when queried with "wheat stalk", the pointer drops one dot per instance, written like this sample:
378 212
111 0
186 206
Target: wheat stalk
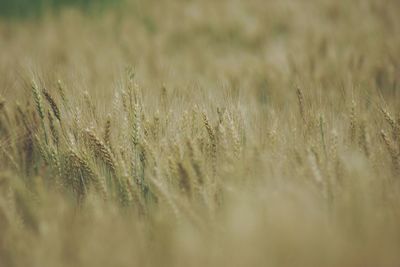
213 142
52 103
39 107
38 100
81 173
107 132
101 150
300 99
53 130
394 154
353 121
61 91
364 139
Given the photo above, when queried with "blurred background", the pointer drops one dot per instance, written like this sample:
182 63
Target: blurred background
35 8
257 46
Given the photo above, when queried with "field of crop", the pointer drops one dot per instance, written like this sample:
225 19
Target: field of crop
201 133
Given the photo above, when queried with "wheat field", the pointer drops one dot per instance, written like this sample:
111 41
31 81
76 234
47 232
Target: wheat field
202 133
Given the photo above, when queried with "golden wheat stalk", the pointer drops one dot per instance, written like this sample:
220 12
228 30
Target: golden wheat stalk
80 173
393 152
184 179
38 100
364 139
395 125
213 142
39 107
389 118
300 99
135 120
101 150
53 130
353 121
52 103
61 91
196 163
107 131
